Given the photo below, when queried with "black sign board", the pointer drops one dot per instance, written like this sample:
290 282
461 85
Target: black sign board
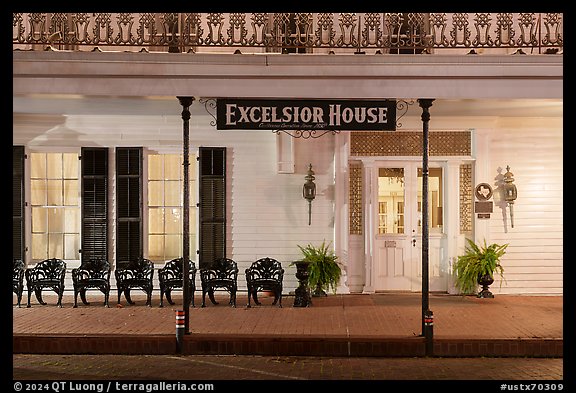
335 115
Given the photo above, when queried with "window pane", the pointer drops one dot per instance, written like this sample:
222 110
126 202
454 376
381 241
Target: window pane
391 198
54 165
71 193
39 219
71 220
37 165
155 167
173 193
192 218
400 215
435 187
56 245
173 167
193 255
55 220
54 192
156 247
173 246
38 191
39 246
156 220
191 168
192 192
382 217
71 246
70 165
155 193
173 223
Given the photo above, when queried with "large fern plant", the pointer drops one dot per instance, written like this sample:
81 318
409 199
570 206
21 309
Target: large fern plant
478 261
324 271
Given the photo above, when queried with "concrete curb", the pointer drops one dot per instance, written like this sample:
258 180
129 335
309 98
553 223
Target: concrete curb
215 344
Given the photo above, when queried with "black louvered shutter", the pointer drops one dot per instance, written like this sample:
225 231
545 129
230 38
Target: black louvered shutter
18 202
94 203
212 204
128 204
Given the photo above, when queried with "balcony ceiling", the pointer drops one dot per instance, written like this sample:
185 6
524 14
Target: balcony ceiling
170 106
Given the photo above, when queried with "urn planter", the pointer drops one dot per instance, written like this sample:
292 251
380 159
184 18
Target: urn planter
485 280
324 270
477 266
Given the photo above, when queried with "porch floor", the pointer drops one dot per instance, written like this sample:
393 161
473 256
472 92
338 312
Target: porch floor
382 324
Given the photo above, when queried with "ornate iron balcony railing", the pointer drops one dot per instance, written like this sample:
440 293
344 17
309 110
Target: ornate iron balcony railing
290 32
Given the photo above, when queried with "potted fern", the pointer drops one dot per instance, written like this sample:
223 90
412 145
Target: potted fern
324 270
478 265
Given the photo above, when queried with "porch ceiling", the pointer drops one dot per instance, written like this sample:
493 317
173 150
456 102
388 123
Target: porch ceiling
289 76
169 106
75 83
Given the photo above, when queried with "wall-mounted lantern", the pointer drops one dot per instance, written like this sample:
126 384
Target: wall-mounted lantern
309 191
510 192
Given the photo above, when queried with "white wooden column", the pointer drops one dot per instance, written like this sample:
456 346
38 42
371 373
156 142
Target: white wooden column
451 220
341 208
356 269
368 224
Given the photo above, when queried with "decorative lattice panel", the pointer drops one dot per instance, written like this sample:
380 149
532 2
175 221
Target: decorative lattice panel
466 213
409 143
355 199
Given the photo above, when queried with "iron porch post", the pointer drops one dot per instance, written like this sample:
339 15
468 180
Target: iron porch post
186 102
427 324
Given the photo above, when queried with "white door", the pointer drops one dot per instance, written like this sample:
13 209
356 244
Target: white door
397 208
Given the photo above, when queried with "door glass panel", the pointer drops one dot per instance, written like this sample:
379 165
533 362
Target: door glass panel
390 200
435 198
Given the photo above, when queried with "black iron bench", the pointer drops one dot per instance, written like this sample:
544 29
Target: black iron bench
93 273
172 276
222 273
48 273
266 274
18 279
137 274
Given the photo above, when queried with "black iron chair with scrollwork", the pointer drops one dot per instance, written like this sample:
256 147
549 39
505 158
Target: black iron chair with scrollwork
93 273
47 274
18 279
137 274
222 273
172 276
266 274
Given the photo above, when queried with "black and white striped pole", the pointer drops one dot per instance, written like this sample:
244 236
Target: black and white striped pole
180 327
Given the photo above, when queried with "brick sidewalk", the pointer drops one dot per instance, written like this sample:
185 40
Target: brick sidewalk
337 325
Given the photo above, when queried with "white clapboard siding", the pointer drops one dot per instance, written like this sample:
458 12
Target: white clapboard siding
534 260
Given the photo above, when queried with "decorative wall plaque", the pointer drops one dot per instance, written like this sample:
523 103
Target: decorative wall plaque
483 191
